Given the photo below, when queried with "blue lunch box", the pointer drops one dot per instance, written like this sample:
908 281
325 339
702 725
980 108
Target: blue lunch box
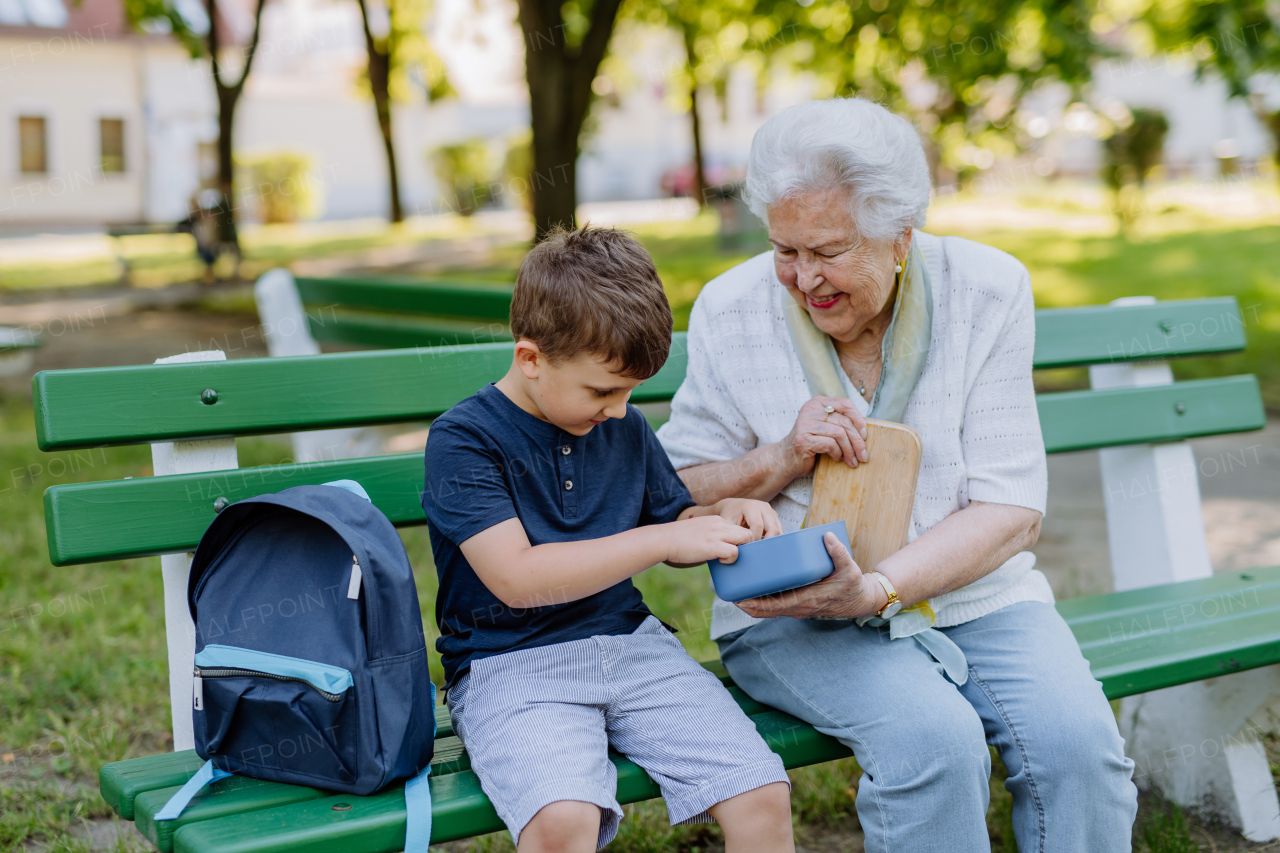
777 564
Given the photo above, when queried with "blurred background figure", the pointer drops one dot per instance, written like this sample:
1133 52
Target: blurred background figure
202 224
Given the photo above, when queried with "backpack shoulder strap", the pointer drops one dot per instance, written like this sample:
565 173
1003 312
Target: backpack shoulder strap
207 774
417 807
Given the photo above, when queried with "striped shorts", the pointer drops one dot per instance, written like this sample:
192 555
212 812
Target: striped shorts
538 724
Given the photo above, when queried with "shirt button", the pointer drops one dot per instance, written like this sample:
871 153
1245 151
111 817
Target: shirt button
565 450
568 485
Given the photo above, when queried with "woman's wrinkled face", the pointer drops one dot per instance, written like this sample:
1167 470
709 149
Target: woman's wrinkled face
842 280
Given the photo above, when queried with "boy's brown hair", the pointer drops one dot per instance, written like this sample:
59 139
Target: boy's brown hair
594 290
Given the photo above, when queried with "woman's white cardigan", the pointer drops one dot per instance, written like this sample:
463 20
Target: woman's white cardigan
974 405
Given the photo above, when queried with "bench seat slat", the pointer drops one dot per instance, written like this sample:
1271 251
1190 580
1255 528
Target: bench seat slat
235 796
460 808
121 782
241 794
1147 639
118 519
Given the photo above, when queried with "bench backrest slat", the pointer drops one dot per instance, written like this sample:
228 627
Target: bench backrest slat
116 519
1081 420
482 299
89 522
1098 334
162 402
129 405
1065 337
400 332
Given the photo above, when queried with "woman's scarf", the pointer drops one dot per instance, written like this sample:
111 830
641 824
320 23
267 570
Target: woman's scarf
903 353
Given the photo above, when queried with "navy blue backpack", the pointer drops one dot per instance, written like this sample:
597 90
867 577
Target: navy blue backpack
311 662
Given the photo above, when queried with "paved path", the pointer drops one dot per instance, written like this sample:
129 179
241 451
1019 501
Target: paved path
1240 493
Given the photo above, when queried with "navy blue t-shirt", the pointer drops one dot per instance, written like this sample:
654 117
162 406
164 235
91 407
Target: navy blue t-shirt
488 460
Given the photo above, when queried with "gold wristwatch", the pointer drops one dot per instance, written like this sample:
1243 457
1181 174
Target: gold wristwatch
894 604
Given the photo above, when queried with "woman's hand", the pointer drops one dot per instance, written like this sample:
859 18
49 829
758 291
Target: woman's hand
841 434
844 594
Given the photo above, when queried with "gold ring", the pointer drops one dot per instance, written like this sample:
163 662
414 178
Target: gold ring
829 410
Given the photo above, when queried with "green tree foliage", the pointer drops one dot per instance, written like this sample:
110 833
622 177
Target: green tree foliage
711 38
959 68
1236 39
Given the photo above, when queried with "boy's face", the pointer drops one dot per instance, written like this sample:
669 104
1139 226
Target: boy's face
577 393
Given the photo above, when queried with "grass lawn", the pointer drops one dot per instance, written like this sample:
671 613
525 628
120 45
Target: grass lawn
153 260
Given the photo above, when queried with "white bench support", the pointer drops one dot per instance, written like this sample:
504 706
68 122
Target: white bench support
185 457
285 329
1196 743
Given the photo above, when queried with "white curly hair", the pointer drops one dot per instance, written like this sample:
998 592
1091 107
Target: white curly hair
847 142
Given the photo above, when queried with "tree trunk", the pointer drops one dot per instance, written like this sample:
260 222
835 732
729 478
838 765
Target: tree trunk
380 84
699 165
559 80
225 217
554 179
228 96
1272 122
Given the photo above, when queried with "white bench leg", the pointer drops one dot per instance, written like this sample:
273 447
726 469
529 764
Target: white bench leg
1193 742
185 457
1200 745
285 329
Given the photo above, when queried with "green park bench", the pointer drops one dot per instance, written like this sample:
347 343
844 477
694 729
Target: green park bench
17 348
381 312
390 313
24 339
1137 640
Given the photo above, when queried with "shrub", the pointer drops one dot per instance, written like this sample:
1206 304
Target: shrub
466 171
1134 150
279 185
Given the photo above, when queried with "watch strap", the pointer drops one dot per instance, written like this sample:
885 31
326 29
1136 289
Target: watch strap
888 590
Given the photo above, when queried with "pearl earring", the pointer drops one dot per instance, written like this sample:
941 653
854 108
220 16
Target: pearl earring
898 268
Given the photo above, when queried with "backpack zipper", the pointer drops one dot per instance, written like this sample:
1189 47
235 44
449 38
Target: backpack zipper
207 672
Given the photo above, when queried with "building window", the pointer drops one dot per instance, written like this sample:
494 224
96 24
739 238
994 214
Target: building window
32 153
111 134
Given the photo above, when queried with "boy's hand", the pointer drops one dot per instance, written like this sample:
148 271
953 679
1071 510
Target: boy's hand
757 516
693 541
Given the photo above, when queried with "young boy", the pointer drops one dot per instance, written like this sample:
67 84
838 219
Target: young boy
545 494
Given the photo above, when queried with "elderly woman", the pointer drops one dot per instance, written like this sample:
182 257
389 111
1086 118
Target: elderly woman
953 642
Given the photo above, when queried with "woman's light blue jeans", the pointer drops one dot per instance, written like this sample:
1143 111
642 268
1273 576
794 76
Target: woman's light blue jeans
922 741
